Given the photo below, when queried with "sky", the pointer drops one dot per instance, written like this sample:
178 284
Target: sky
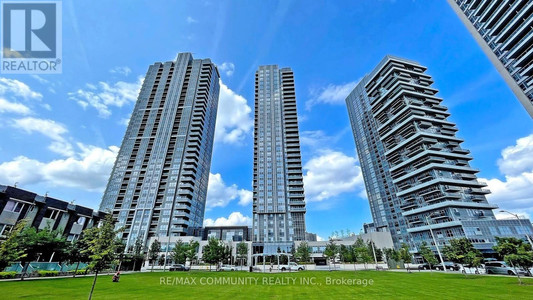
61 133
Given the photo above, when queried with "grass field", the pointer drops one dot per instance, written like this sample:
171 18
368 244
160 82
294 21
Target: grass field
302 285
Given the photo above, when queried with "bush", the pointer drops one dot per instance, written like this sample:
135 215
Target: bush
7 275
81 272
47 273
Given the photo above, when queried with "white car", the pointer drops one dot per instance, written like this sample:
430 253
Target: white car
227 268
291 266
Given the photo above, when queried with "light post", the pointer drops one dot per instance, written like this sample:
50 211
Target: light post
520 222
436 245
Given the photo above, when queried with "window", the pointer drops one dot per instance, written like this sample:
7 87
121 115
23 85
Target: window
80 221
51 214
14 206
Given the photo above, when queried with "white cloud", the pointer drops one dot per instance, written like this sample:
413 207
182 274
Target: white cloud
227 67
515 192
121 70
18 89
191 20
330 174
234 119
518 158
319 238
220 195
332 94
105 95
49 128
15 108
90 171
234 219
125 121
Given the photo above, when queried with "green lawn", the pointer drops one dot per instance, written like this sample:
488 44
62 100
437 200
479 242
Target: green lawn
196 285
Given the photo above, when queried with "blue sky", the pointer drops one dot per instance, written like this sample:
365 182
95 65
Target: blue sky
60 132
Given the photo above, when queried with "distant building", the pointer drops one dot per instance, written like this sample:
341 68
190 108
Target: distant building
158 185
504 30
227 233
279 200
44 212
310 237
416 173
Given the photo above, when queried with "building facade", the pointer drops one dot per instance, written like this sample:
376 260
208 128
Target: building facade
278 199
417 175
504 30
44 212
158 185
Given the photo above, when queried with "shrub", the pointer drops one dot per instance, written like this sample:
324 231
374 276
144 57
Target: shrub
81 272
45 273
8 275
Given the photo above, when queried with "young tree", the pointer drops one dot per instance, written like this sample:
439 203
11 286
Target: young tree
242 251
462 251
10 248
428 255
153 253
515 252
405 255
78 253
178 253
192 251
302 252
103 244
138 253
331 251
213 251
361 252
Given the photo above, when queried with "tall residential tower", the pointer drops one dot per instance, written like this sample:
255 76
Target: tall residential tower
416 173
158 185
504 30
279 201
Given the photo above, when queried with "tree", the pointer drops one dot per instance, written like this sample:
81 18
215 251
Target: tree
213 251
153 253
405 255
242 251
103 245
462 251
43 244
179 252
515 252
10 248
192 251
331 251
392 254
362 254
138 253
302 252
428 255
78 252
346 253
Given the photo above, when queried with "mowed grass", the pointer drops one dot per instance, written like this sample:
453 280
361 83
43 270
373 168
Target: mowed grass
301 285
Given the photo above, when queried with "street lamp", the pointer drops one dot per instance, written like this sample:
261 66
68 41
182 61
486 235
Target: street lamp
520 222
436 245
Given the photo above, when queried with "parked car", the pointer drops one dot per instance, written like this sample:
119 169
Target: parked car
501 267
425 266
449 266
227 268
179 267
291 266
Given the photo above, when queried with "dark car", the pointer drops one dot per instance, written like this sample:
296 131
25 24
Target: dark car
425 266
179 267
449 266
